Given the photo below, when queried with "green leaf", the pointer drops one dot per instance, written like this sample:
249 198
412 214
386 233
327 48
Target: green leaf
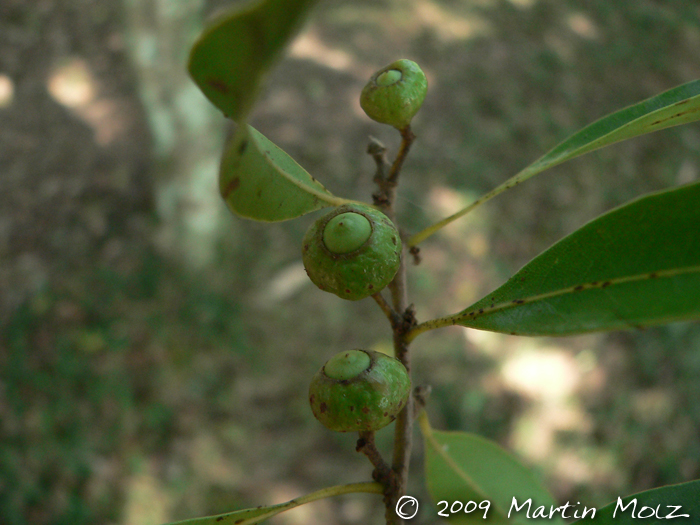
679 105
685 495
260 514
260 181
637 265
231 57
465 467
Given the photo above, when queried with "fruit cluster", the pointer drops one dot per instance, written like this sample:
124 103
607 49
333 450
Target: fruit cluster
354 252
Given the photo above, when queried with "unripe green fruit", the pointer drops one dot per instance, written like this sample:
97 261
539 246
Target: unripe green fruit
395 93
359 390
353 251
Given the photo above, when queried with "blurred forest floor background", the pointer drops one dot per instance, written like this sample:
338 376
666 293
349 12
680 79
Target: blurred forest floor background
155 350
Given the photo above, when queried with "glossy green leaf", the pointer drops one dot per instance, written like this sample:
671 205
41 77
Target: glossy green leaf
637 265
231 57
679 105
663 505
464 467
260 514
260 181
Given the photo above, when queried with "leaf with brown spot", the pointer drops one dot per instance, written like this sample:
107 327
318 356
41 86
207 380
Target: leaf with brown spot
259 181
645 255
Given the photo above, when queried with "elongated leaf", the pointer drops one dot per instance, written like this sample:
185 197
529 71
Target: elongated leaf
461 467
637 265
260 181
260 514
679 105
663 505
231 57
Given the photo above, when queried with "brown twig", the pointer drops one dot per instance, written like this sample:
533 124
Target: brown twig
420 398
378 152
382 472
386 194
391 315
402 320
403 430
415 252
407 138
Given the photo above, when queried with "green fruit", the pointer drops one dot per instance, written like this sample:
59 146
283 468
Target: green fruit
395 93
353 252
359 390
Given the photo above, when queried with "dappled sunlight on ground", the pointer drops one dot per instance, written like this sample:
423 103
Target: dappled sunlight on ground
448 26
316 513
583 26
524 4
147 501
309 46
7 91
73 85
545 374
553 381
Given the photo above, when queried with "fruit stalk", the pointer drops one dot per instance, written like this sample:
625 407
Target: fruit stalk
382 472
407 138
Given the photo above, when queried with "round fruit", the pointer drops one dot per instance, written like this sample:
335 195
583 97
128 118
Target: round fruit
353 252
359 390
395 93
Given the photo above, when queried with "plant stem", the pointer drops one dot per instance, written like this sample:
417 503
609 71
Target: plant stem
403 429
432 324
378 152
402 321
407 137
382 472
391 315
